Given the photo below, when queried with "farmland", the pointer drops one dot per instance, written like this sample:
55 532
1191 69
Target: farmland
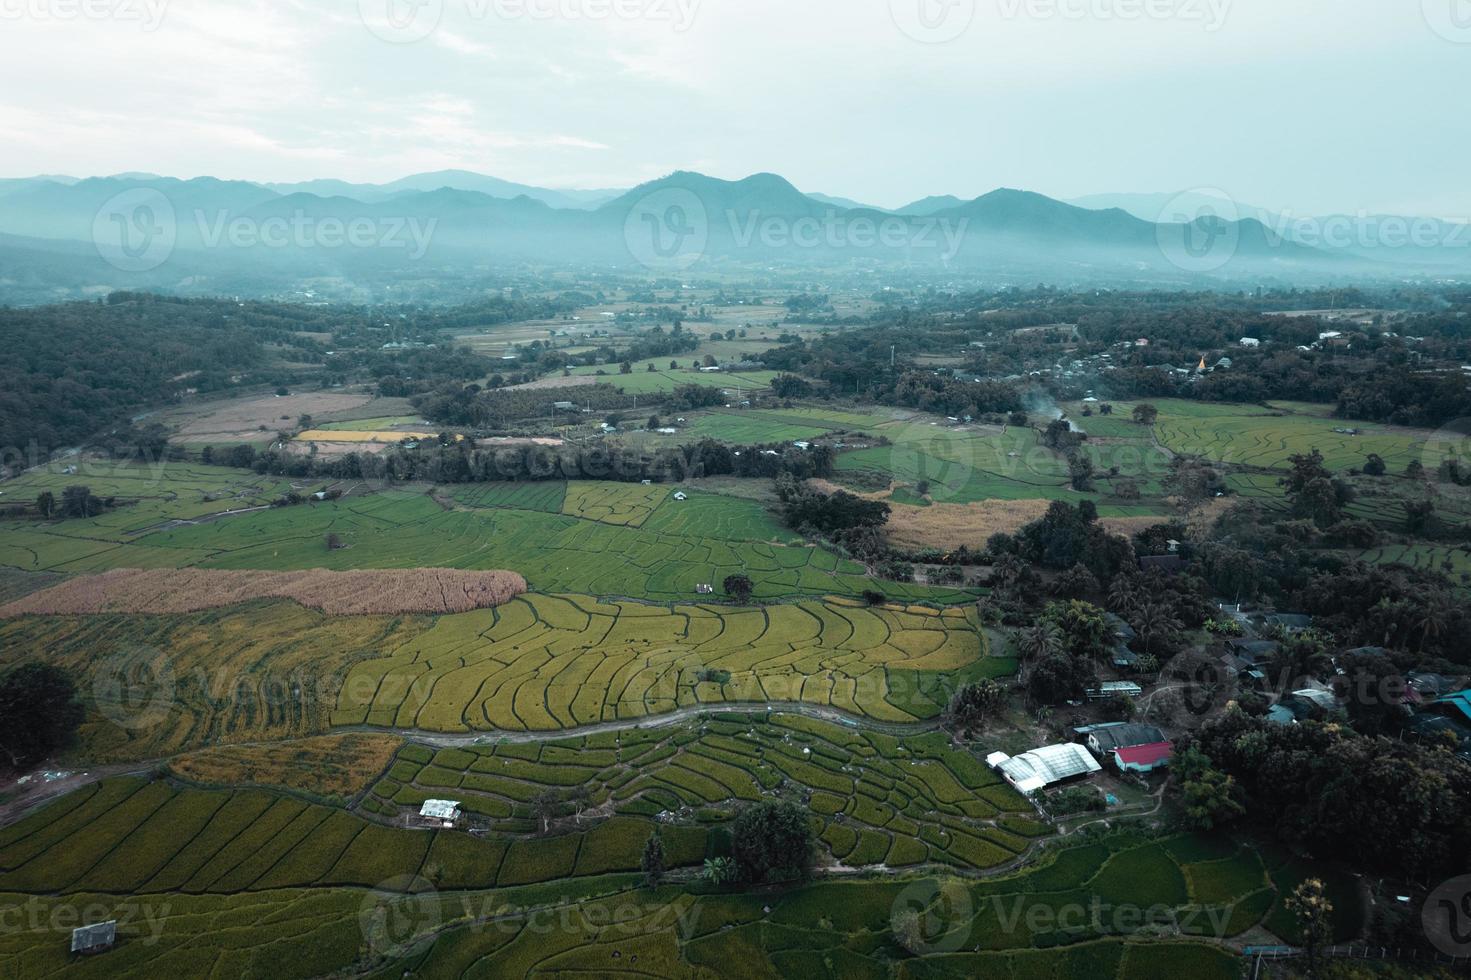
662 382
555 553
544 663
1266 437
277 670
880 800
283 877
163 591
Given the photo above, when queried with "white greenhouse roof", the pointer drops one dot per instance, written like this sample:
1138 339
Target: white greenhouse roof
1040 768
440 810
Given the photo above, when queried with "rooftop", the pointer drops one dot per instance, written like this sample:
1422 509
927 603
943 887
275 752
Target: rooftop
1040 768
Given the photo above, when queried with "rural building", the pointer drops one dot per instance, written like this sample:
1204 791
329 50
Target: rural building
1431 685
1454 706
680 495
99 938
1250 342
1289 623
1115 689
1038 769
1105 739
1169 564
1143 759
442 813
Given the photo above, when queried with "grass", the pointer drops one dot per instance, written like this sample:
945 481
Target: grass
556 553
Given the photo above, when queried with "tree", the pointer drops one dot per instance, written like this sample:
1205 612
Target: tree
46 504
1209 794
739 588
1086 632
39 713
874 598
652 863
1374 466
625 368
78 501
333 541
1313 911
207 455
771 839
1146 414
544 808
719 871
974 703
1041 639
1057 678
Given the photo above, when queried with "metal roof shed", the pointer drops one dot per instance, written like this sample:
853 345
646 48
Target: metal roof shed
95 938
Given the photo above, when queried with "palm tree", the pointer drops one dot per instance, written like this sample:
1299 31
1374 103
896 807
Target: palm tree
1434 618
1122 594
1039 640
1155 619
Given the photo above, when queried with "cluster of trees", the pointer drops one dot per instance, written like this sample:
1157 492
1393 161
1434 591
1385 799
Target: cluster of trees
1403 808
74 369
839 516
770 841
1062 651
39 713
1064 537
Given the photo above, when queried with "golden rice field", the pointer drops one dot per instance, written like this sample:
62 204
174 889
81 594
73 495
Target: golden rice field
158 685
334 766
351 593
545 663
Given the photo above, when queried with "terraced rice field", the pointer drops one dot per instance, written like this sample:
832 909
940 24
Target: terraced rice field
157 685
154 496
129 835
545 663
338 767
287 881
1455 562
878 800
263 671
761 426
619 504
1255 436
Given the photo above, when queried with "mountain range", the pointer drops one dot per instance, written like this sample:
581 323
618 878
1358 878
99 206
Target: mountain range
463 220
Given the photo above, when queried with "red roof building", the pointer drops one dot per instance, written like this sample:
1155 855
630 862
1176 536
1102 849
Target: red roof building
1143 758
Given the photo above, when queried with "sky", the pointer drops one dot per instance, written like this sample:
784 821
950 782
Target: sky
1304 106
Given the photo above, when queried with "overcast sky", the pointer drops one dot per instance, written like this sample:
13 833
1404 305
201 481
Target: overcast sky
1308 105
